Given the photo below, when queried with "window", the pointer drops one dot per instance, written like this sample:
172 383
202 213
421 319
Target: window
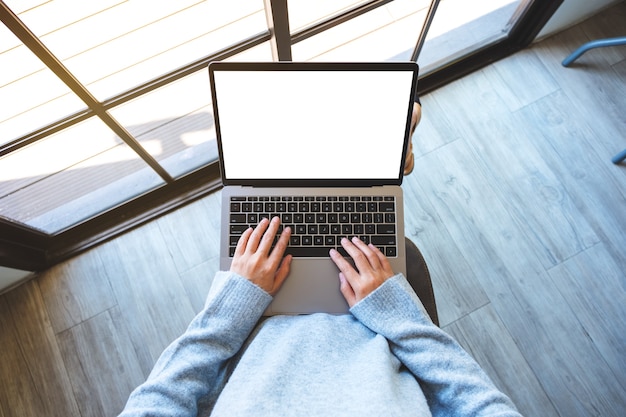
105 111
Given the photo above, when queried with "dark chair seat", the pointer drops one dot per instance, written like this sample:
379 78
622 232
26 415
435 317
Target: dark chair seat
419 278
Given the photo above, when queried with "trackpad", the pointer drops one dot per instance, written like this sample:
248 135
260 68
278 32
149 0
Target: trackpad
311 287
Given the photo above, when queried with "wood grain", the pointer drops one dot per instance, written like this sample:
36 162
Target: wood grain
43 363
18 396
455 297
483 334
148 291
76 290
102 364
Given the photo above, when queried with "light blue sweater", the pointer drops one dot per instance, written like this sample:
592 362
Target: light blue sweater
384 359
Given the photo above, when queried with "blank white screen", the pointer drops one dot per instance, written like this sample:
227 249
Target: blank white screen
312 124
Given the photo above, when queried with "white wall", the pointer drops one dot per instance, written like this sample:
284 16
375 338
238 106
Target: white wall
572 12
10 277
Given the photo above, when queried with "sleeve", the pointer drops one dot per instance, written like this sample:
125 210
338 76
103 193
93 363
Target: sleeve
452 380
190 370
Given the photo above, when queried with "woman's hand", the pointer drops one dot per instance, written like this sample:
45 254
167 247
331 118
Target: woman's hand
255 259
373 269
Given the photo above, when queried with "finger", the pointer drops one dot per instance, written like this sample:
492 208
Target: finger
344 266
268 236
243 242
384 262
281 273
257 234
356 253
347 290
369 251
283 241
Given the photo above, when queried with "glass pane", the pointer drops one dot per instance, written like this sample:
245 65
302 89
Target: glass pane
260 53
112 46
389 32
304 13
174 123
31 96
460 27
71 176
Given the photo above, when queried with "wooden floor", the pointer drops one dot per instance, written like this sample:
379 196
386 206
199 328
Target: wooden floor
514 202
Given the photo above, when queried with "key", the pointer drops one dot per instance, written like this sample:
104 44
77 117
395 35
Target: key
237 229
309 251
385 229
238 218
383 240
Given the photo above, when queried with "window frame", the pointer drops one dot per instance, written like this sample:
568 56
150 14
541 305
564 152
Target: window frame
23 247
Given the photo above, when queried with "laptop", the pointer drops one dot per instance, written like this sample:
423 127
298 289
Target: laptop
321 145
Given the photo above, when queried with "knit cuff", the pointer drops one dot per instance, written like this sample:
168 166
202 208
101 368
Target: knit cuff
392 302
236 298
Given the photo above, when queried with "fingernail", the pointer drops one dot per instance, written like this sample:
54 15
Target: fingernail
332 252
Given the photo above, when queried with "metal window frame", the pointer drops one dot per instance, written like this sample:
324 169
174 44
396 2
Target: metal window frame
23 247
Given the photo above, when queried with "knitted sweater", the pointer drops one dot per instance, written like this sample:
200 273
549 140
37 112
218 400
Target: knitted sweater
386 358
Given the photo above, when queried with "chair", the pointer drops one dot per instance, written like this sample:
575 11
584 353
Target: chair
591 45
619 157
419 278
598 44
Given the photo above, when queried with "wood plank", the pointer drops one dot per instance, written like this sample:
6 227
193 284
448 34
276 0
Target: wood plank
451 175
596 186
593 285
532 192
193 232
150 295
76 290
40 349
530 306
19 396
486 338
102 364
591 86
620 70
520 79
197 282
608 23
569 365
428 134
454 297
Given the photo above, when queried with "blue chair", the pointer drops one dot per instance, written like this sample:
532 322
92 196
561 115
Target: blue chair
598 44
619 157
591 45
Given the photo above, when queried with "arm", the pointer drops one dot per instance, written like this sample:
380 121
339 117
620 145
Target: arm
192 368
452 381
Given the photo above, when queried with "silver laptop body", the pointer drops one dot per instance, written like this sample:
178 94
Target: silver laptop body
313 136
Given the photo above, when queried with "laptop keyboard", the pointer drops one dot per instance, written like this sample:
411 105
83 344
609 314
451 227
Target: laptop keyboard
319 223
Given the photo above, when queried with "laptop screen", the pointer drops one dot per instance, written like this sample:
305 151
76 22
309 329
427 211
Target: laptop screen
307 121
